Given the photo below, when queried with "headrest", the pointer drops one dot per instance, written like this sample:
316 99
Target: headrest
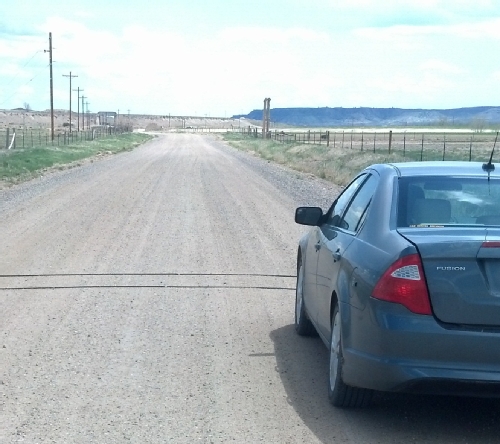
430 211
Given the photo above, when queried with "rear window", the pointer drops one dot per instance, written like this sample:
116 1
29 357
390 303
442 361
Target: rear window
438 201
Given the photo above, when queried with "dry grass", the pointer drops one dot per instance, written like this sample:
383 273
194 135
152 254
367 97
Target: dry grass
341 160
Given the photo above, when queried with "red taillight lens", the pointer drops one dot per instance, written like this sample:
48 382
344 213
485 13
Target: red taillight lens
404 283
490 244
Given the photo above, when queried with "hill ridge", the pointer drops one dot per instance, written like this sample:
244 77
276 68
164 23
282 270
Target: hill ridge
475 117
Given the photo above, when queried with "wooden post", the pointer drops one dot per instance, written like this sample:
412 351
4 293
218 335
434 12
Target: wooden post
422 149
7 138
470 148
444 145
362 138
374 139
264 119
390 141
328 138
404 145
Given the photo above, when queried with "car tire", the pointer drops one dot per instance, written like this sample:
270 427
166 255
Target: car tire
339 393
303 325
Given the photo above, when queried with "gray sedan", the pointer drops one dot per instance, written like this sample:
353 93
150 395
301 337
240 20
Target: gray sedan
401 280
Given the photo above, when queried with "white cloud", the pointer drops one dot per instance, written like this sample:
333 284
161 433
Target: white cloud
151 69
479 30
441 67
234 66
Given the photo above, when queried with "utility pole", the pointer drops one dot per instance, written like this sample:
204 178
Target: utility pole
70 77
51 88
83 113
78 108
88 115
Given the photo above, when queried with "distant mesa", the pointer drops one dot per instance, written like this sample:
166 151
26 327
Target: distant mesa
380 117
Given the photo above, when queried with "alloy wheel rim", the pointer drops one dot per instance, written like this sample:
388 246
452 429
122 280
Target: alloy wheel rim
334 350
299 296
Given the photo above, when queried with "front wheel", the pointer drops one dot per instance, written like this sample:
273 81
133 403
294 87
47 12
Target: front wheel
303 325
341 394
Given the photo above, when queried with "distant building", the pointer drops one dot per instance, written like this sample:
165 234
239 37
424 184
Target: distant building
106 118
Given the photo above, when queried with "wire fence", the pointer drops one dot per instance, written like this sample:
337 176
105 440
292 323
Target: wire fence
19 138
413 145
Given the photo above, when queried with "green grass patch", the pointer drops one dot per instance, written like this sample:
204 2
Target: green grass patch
21 164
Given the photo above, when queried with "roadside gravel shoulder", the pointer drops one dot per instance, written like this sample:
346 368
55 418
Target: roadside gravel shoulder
304 189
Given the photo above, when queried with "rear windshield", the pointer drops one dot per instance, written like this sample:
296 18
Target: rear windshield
438 201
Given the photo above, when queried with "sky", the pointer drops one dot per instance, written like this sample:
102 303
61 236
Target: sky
219 58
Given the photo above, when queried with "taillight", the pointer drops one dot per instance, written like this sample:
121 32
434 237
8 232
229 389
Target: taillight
404 283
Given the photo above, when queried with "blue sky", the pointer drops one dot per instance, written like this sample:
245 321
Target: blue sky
223 57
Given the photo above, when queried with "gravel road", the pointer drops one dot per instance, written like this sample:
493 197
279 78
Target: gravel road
148 298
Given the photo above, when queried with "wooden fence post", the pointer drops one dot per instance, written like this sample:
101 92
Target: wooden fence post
328 138
7 138
390 141
362 137
374 139
444 145
422 149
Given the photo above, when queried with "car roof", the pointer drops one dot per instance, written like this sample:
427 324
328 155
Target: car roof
437 168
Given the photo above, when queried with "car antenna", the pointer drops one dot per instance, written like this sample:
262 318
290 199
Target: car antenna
489 166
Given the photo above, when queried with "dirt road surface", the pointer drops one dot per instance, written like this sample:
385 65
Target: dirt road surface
148 298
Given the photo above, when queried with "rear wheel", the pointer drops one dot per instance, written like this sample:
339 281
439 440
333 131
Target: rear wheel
341 394
303 326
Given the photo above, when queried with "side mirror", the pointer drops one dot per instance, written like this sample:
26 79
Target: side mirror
308 215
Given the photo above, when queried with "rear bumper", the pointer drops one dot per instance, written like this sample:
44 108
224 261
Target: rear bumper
387 348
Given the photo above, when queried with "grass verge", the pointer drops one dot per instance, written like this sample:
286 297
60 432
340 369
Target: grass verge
339 163
20 165
333 164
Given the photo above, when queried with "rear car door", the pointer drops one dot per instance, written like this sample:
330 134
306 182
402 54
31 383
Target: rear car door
335 237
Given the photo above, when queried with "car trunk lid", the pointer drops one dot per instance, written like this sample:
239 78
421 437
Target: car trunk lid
462 270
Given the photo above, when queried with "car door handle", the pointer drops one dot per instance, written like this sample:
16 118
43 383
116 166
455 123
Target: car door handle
317 246
336 255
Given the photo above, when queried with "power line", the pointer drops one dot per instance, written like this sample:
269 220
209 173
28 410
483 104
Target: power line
24 84
19 69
